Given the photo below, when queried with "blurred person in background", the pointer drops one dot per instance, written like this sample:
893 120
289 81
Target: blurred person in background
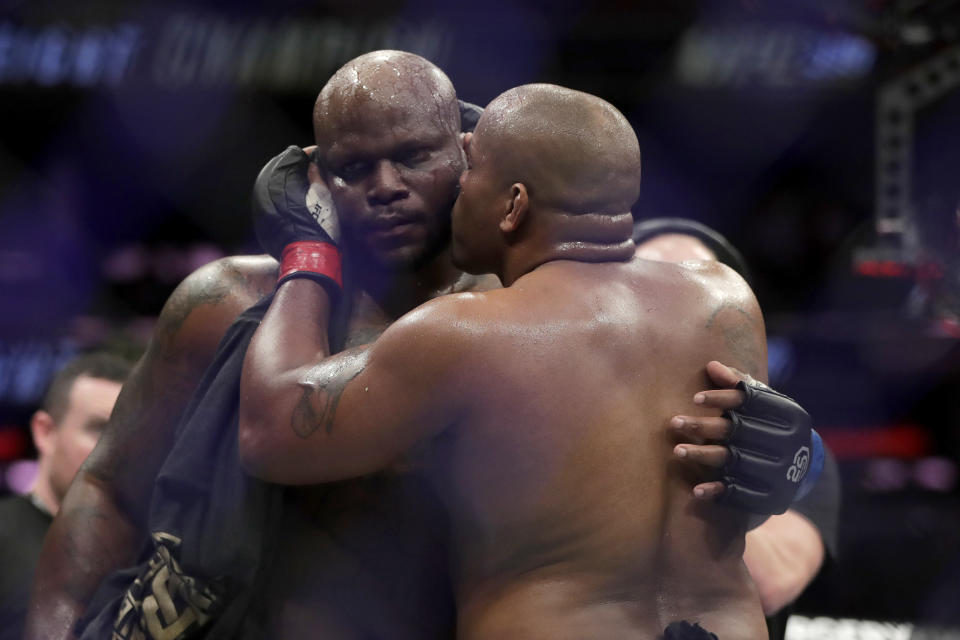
788 550
65 429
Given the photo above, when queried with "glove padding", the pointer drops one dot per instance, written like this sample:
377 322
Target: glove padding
287 208
770 452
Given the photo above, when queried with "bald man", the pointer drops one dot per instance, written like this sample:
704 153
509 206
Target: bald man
521 404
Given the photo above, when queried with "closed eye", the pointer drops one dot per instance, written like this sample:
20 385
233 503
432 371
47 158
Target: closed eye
413 157
353 170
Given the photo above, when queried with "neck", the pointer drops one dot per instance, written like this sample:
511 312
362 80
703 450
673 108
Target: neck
587 237
400 291
42 490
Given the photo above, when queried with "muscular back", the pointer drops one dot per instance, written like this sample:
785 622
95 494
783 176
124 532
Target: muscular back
570 518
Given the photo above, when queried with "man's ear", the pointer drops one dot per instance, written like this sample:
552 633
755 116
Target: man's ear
517 208
465 140
42 428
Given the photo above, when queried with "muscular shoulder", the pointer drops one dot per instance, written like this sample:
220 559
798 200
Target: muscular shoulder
440 332
444 319
200 309
729 313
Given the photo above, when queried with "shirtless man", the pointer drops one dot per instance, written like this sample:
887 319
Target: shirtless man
104 519
523 402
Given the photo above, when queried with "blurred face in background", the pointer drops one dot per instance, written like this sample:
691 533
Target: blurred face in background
65 441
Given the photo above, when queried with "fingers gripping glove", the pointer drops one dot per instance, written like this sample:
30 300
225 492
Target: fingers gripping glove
295 221
774 456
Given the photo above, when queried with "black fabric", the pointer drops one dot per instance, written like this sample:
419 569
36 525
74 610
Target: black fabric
777 623
208 520
469 116
684 630
22 529
368 555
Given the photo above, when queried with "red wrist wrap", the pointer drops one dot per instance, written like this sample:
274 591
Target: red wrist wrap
314 257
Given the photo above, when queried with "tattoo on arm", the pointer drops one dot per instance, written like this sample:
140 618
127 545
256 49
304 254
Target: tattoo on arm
321 391
739 335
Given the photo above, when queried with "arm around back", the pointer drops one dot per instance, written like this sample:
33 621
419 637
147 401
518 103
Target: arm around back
308 417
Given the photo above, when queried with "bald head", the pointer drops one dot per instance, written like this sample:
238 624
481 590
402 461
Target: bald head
573 151
387 127
385 84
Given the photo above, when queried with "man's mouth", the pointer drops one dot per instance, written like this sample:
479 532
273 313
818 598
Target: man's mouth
390 232
400 230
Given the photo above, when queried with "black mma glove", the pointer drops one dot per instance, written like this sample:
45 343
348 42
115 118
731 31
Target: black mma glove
774 456
295 221
469 116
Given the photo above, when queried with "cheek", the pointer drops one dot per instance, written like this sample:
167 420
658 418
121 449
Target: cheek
442 183
72 450
81 445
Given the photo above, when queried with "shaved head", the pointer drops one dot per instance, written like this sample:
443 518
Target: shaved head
574 151
388 82
387 127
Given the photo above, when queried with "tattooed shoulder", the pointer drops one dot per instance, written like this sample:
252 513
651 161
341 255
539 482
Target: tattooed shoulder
741 334
235 282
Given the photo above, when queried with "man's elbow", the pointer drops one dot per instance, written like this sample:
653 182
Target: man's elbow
256 455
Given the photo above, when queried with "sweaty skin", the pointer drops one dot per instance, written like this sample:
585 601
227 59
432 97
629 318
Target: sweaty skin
522 404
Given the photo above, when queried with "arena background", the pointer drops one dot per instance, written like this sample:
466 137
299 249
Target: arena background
821 136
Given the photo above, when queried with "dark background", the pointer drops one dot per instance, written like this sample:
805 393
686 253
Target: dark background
131 133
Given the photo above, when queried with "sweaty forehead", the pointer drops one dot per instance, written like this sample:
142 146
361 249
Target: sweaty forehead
375 129
376 94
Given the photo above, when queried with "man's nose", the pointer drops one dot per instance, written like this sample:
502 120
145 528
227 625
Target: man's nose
386 184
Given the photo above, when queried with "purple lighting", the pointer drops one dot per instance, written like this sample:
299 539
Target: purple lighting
19 475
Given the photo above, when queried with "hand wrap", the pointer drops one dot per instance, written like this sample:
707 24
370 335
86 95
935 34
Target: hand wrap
773 452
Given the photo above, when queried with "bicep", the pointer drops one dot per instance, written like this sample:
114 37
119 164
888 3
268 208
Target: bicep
361 410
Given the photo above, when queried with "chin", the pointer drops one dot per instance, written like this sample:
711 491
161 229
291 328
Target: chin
408 258
465 262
